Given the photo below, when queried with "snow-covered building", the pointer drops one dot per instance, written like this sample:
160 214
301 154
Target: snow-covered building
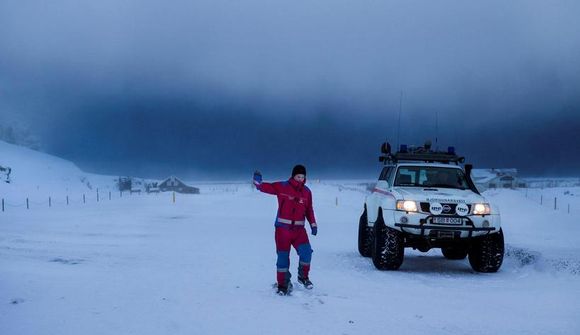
176 185
496 178
5 173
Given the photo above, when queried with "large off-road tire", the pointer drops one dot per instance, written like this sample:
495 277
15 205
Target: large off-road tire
388 247
454 252
486 254
365 236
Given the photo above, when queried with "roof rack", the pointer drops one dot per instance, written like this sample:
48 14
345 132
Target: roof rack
421 154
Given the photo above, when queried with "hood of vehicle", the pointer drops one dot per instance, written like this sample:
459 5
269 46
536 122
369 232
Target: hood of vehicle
441 195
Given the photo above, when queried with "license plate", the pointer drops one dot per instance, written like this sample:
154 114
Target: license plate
443 220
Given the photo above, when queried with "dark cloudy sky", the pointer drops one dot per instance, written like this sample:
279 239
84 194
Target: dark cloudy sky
216 88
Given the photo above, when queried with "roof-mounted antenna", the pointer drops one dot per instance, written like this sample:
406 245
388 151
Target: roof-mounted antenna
455 141
400 111
437 130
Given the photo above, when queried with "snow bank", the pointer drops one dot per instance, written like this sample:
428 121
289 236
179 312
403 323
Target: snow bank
37 175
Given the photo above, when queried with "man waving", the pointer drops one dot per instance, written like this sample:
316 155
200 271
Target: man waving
294 207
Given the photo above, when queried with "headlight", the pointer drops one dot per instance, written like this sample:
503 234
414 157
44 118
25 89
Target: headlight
481 209
406 205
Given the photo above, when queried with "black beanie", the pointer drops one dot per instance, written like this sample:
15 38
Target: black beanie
298 169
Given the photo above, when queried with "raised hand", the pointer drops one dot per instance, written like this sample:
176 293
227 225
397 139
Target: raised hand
257 178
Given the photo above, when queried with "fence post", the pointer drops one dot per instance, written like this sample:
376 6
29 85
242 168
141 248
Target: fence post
84 199
49 202
3 205
336 201
541 199
27 205
120 194
97 195
67 200
109 195
555 201
174 197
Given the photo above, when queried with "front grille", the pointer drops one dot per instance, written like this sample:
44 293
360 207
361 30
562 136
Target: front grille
425 208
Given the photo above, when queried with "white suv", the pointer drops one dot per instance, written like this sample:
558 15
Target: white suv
425 199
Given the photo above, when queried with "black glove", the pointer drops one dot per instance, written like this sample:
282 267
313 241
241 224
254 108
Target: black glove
257 178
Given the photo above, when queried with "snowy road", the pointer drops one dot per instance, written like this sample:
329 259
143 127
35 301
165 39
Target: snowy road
205 265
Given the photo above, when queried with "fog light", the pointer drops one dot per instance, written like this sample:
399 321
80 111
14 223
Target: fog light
404 219
485 224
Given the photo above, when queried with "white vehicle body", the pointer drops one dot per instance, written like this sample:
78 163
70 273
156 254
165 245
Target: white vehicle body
423 200
436 216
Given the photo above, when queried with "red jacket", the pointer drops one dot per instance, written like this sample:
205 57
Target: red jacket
294 202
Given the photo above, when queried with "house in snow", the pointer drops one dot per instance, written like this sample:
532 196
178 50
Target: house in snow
176 185
5 173
485 179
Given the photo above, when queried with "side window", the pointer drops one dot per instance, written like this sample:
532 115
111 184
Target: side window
386 173
383 175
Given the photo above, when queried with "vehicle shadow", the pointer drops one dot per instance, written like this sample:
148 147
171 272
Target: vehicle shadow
414 262
434 264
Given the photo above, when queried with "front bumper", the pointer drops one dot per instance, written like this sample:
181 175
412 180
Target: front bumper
442 227
421 225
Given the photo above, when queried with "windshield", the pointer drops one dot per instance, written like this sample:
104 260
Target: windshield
430 176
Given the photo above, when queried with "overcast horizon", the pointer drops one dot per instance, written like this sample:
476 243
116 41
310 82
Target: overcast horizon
217 89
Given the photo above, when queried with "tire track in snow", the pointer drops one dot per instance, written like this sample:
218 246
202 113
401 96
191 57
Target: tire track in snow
524 257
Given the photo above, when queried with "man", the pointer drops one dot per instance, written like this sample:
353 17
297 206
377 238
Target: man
294 206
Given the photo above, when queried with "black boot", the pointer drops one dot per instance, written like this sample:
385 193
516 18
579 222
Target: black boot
284 290
306 282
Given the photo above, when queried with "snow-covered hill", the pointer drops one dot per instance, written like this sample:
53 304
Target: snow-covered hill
38 175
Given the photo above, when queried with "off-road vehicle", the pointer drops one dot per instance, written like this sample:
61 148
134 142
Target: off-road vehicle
426 199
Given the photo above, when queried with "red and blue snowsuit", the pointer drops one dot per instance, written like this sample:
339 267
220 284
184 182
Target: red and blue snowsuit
294 206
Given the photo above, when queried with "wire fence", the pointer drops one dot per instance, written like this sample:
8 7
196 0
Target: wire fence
559 202
27 203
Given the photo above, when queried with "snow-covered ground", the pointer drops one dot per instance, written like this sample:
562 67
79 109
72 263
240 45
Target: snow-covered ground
205 265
